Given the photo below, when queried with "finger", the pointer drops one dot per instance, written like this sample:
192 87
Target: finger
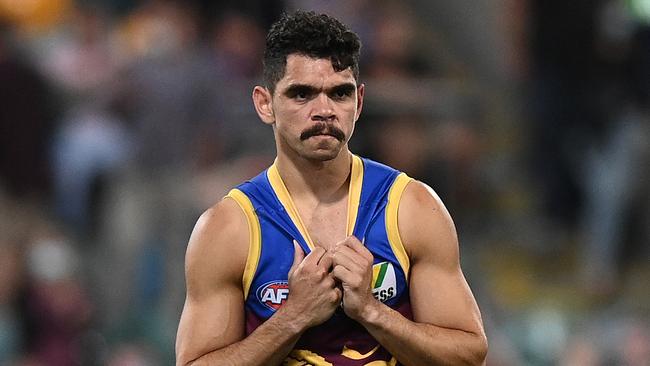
326 260
349 259
329 282
298 253
362 259
298 256
314 256
342 274
354 243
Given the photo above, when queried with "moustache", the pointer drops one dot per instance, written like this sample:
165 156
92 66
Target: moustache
322 129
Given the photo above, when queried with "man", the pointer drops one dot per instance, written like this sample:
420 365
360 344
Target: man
325 258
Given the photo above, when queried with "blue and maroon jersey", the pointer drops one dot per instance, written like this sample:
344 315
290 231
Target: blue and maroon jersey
374 195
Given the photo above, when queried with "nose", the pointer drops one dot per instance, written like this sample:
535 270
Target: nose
323 109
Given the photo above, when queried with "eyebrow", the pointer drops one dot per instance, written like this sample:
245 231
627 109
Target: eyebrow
296 89
346 88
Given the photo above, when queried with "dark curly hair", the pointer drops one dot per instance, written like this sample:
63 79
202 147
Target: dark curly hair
313 35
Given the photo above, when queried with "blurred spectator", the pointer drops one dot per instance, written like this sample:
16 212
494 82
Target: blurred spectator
393 50
57 308
89 148
405 141
444 153
77 57
164 83
237 46
581 350
634 345
11 278
234 55
565 119
91 142
26 125
613 168
132 355
589 117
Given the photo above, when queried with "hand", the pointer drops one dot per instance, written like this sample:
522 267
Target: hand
353 267
313 295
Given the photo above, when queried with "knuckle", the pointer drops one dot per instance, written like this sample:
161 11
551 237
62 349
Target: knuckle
320 273
356 281
335 296
336 271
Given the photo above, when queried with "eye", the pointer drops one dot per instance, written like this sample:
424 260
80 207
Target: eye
300 93
342 93
301 96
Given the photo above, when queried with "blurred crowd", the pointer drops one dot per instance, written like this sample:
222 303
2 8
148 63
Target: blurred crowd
121 121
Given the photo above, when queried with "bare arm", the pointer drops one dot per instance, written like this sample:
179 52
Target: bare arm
447 327
211 329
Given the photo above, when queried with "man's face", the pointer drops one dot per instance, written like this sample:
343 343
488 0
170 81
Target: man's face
315 108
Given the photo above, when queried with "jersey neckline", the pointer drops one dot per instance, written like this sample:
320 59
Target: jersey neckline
354 198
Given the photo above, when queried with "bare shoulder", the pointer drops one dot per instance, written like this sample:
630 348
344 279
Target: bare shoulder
218 247
426 227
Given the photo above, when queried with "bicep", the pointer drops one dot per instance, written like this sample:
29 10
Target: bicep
210 322
213 314
442 297
439 292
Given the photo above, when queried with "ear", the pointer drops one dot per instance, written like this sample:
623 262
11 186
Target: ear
263 101
360 91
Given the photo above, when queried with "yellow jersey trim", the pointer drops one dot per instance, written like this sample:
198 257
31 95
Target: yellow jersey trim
356 355
255 238
392 230
302 357
354 197
354 193
285 198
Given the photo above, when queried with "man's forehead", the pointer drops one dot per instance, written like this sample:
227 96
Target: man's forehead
301 69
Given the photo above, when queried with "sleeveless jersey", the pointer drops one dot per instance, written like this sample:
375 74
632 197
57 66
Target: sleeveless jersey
374 194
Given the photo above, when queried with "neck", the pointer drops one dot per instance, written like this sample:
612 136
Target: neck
322 179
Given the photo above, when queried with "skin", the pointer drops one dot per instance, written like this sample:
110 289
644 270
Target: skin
447 327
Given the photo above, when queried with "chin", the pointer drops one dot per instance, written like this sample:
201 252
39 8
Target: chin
322 155
321 151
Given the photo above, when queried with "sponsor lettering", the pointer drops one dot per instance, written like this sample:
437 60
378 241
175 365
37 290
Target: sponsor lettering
384 283
273 294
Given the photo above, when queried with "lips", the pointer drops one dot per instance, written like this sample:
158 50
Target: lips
323 135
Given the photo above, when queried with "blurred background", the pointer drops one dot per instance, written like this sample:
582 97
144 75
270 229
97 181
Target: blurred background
122 120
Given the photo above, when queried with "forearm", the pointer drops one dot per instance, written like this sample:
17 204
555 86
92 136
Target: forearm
269 344
423 344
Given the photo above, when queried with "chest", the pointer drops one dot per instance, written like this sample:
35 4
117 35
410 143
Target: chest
325 223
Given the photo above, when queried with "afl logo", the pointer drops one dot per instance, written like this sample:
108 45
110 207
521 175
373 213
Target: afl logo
273 294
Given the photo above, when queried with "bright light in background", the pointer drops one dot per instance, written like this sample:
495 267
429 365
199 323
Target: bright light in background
34 15
641 10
